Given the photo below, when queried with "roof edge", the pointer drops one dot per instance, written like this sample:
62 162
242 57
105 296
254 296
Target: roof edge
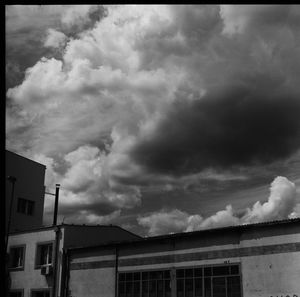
26 158
187 234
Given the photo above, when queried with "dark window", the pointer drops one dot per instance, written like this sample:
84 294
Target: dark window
180 273
121 289
221 270
234 269
16 257
233 286
136 289
198 272
16 293
145 284
189 287
44 254
212 281
180 288
136 276
207 271
25 206
198 287
145 289
207 287
167 288
122 277
219 287
40 293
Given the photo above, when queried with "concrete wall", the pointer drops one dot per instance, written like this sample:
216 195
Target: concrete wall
88 279
29 185
271 274
269 257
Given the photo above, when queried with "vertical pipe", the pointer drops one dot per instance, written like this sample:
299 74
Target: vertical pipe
13 180
64 271
66 275
116 271
56 205
56 254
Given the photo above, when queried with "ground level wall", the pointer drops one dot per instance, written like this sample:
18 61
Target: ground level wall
268 264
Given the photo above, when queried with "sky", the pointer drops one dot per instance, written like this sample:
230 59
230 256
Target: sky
157 118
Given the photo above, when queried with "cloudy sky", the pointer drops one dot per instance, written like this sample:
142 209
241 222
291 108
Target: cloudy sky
158 118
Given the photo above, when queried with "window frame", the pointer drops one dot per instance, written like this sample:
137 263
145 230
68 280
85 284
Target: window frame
37 265
211 276
19 268
37 290
16 291
148 279
27 203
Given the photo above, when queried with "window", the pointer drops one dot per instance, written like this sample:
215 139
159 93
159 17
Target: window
209 281
44 254
25 206
145 284
16 293
214 281
40 293
16 257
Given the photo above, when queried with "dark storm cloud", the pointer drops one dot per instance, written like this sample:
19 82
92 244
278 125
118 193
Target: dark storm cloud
95 208
232 125
94 15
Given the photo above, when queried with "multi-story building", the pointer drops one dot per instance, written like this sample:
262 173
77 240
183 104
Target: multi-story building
37 262
24 192
258 260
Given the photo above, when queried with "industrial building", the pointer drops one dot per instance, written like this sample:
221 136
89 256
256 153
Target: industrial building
37 262
24 192
257 260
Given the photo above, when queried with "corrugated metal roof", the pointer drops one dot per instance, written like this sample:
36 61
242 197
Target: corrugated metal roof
199 232
43 228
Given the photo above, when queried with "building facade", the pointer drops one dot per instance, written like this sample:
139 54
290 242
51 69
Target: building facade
259 260
37 262
26 194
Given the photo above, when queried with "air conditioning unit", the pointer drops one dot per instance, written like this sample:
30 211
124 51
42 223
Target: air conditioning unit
47 270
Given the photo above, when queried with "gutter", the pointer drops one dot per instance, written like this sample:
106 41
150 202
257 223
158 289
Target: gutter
55 268
66 273
116 270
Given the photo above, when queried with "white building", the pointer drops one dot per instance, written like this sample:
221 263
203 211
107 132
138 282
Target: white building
37 256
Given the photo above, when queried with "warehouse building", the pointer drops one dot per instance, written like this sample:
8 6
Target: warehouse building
257 260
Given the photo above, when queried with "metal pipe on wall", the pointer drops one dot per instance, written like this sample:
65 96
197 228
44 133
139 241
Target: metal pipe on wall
56 254
116 270
56 205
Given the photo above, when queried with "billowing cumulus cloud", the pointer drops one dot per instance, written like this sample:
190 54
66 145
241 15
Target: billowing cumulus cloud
121 99
167 221
55 39
281 204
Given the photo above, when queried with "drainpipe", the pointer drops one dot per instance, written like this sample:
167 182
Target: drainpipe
56 205
66 276
56 248
13 180
64 273
56 254
116 270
